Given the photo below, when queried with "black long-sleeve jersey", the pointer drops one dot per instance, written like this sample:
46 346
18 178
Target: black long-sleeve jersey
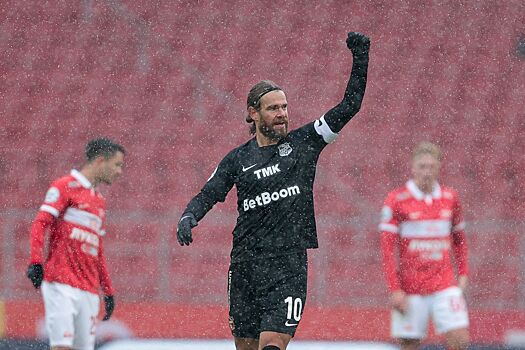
274 192
275 183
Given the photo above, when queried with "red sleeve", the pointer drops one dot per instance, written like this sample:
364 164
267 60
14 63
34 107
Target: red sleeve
459 247
55 202
389 242
459 242
457 216
38 232
389 228
57 198
105 280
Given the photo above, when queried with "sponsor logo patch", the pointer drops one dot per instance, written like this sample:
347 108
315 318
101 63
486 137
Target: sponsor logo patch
267 197
248 168
52 195
268 171
285 149
386 214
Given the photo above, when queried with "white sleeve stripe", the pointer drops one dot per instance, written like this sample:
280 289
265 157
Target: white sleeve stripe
389 228
322 128
49 209
459 227
184 217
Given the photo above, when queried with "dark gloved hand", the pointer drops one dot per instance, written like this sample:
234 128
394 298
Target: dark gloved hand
109 306
35 272
358 43
186 223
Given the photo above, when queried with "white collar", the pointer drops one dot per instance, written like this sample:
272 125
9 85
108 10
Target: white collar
420 195
81 178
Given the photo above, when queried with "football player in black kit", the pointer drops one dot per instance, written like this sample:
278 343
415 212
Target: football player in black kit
274 174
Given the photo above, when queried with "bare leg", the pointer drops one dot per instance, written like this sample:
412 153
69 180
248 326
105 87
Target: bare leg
457 339
280 340
246 343
409 344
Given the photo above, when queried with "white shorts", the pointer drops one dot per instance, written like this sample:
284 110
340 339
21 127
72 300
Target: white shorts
71 315
447 308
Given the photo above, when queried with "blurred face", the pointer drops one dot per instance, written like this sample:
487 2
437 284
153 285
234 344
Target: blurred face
272 118
425 171
109 169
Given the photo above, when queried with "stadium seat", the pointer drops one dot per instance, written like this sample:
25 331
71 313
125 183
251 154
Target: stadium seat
170 82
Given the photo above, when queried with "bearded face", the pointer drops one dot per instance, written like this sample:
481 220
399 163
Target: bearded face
274 130
272 117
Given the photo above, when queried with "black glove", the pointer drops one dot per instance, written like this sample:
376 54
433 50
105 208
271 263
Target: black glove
186 223
358 43
35 272
109 306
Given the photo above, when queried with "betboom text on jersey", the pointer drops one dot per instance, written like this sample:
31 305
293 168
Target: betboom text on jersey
267 197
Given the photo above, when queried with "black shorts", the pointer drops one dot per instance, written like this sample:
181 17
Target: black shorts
267 294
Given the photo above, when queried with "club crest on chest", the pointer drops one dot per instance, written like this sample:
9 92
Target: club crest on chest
285 149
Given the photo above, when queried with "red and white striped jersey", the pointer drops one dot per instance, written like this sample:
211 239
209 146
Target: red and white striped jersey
424 228
74 212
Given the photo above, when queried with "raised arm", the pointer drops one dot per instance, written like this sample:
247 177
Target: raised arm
337 117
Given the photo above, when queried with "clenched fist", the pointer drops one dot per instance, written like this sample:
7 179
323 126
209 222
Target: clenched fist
358 43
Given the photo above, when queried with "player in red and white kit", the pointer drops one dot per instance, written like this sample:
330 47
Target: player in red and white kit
421 227
75 266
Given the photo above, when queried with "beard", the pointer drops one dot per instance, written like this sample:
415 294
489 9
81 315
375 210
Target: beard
269 131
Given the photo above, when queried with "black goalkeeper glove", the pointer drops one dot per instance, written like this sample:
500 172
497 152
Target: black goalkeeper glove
35 272
186 223
109 306
358 43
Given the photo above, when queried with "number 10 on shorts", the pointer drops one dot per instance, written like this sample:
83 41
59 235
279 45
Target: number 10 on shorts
295 309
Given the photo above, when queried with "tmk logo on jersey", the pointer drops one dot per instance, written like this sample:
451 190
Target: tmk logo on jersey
267 197
268 171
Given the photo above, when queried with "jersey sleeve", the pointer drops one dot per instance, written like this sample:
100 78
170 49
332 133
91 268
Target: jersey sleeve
389 228
458 224
55 202
342 113
316 135
37 237
56 199
389 215
459 241
104 278
216 188
323 129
